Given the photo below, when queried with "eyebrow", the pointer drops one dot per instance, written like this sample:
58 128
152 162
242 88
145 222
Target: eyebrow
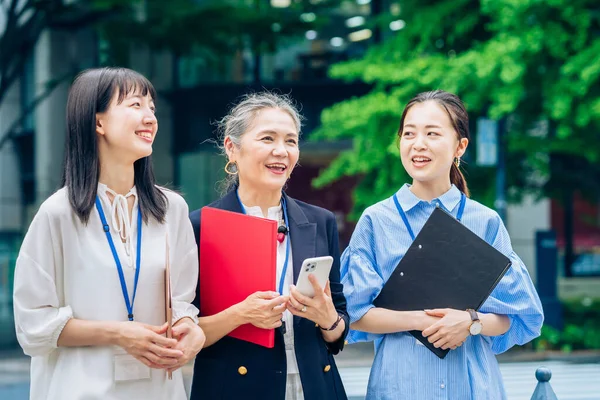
276 133
426 126
139 96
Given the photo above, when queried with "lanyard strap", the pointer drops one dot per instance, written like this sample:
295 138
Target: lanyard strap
106 228
461 209
287 247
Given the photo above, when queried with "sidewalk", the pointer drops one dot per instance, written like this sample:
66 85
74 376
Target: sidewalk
576 376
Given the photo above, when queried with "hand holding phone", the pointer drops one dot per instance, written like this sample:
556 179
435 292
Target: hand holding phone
320 267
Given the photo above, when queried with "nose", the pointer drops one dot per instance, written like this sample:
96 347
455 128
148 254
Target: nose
420 142
150 118
279 149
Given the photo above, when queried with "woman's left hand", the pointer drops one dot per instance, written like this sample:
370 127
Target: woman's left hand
451 331
320 309
190 340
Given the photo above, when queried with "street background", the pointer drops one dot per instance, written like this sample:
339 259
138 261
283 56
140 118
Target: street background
528 71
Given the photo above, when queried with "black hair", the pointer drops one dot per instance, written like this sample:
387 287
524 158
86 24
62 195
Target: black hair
459 118
91 93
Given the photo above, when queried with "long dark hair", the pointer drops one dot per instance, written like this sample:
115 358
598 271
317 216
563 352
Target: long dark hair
459 118
91 93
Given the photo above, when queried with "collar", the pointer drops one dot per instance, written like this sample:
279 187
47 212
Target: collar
295 213
273 213
408 199
118 216
103 189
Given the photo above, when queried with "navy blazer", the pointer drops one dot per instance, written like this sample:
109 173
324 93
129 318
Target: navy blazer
217 371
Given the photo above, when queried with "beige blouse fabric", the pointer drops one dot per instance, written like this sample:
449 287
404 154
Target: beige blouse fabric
66 269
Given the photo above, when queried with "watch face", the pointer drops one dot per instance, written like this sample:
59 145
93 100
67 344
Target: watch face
475 328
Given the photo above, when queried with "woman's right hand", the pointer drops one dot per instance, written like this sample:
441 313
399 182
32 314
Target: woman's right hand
425 320
147 344
263 309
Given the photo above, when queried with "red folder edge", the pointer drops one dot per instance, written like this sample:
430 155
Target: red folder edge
237 258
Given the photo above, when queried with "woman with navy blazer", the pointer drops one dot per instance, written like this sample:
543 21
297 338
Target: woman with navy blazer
260 139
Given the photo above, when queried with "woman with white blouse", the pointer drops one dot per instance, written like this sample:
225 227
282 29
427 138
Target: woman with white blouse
89 295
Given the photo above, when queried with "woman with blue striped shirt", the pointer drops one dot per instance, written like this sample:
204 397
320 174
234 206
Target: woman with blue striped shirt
433 136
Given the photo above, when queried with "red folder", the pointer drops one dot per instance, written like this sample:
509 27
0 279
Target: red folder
237 258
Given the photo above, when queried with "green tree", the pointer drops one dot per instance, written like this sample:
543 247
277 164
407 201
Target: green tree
534 63
209 29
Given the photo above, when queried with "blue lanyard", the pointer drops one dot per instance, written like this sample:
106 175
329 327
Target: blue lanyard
118 262
287 248
461 209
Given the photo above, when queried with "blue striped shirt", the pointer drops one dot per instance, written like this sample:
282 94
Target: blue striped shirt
403 368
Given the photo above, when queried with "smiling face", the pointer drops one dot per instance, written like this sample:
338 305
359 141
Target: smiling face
268 151
429 143
127 129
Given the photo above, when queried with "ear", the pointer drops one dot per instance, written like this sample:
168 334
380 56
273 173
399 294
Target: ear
462 147
230 148
99 127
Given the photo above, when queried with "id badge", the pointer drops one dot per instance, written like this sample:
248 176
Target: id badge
128 368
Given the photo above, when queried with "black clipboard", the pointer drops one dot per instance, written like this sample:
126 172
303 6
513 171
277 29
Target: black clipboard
447 266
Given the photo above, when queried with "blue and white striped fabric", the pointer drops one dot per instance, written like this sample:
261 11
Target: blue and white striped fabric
403 368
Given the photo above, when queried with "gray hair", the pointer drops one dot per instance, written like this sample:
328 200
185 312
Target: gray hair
240 118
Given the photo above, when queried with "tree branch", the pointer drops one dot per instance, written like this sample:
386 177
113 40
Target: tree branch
12 131
11 10
12 66
26 7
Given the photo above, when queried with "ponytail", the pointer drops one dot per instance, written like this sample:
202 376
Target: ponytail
458 179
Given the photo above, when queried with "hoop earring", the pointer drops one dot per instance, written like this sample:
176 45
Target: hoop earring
457 162
227 171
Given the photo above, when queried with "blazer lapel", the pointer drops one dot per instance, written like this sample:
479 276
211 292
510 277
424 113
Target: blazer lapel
230 202
302 234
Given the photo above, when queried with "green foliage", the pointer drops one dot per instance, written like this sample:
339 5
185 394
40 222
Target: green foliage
209 29
581 330
529 61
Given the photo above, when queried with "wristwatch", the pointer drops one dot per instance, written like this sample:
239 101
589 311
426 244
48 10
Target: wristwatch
476 325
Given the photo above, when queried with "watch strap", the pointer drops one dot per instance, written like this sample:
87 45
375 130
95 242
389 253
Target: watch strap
473 314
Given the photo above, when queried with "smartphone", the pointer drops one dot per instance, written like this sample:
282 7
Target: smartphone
320 267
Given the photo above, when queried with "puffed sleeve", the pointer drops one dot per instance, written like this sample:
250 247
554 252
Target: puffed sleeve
337 289
184 264
39 313
362 283
514 296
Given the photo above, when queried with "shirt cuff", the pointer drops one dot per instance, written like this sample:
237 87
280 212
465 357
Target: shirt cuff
184 310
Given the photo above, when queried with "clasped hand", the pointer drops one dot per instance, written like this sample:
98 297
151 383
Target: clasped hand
147 343
451 331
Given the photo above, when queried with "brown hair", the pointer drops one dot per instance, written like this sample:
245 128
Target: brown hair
459 118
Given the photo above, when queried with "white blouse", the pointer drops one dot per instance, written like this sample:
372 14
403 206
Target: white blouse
274 213
65 270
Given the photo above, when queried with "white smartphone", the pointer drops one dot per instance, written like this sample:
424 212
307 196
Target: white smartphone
320 267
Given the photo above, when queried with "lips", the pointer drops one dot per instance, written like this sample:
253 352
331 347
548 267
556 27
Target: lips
144 134
277 167
420 159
